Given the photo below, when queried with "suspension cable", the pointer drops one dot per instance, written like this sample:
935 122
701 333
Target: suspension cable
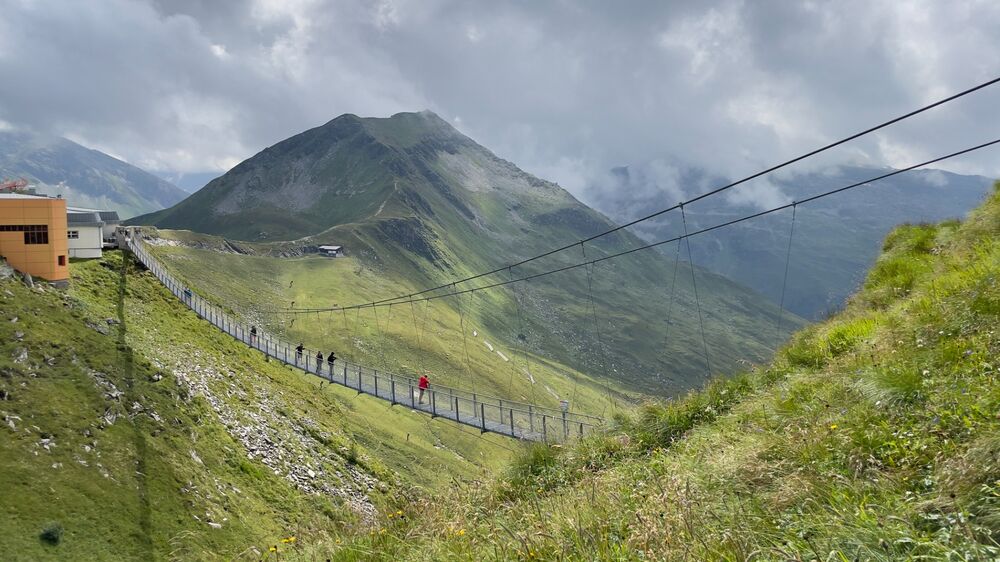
697 301
600 343
670 306
522 344
465 343
784 281
707 194
675 238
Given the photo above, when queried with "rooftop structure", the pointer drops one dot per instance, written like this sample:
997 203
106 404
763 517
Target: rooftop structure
332 251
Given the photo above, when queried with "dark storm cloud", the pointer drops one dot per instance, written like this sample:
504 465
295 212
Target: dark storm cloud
565 89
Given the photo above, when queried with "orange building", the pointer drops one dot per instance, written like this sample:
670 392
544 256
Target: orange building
33 235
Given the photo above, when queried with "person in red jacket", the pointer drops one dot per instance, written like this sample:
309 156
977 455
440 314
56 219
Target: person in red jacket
422 384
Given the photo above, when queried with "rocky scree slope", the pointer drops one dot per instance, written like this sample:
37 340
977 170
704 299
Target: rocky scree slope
132 430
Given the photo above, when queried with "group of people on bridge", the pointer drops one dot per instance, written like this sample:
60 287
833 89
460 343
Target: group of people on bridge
423 383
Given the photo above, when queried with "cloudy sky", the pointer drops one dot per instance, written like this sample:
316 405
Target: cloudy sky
564 89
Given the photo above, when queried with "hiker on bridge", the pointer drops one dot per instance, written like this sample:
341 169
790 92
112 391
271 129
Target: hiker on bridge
298 353
188 294
319 361
423 384
330 359
253 335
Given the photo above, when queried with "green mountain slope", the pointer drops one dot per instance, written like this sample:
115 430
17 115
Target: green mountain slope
143 433
84 177
418 203
836 240
873 436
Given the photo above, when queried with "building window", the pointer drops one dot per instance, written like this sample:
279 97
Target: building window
33 233
62 261
36 234
73 234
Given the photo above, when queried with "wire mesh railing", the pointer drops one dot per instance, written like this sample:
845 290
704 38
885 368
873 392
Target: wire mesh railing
487 413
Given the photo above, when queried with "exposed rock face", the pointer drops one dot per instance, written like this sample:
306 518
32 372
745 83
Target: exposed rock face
286 446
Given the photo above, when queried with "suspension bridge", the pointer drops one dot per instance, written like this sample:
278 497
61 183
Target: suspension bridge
488 413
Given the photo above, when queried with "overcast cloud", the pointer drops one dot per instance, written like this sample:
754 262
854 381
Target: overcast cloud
566 90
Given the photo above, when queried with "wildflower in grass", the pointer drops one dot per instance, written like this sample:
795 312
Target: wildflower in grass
337 541
273 549
833 426
289 540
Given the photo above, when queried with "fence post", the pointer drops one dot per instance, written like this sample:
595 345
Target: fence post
475 407
512 421
482 415
345 374
412 400
359 378
581 429
434 409
531 418
457 416
392 388
376 382
565 426
545 430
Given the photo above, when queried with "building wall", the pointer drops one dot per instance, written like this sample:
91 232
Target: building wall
89 244
40 260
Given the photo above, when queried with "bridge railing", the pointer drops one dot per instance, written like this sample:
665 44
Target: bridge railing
483 411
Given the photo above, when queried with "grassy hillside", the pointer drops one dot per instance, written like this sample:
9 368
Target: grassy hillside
836 239
133 430
418 204
873 436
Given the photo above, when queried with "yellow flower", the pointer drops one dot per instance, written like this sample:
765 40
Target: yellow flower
833 426
461 532
288 540
273 549
399 513
338 541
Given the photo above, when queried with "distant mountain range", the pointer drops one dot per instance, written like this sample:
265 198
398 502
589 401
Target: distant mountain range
836 239
84 177
418 200
189 182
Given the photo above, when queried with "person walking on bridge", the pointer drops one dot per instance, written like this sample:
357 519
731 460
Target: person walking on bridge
330 360
319 362
253 335
298 353
423 384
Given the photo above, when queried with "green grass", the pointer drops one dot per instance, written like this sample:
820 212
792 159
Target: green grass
873 436
412 339
147 485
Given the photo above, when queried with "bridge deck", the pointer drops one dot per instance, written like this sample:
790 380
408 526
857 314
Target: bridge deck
486 413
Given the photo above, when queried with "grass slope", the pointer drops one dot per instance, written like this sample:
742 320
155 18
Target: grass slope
873 436
154 436
421 204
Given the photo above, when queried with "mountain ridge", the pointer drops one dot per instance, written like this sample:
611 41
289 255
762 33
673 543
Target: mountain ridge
836 240
84 176
411 197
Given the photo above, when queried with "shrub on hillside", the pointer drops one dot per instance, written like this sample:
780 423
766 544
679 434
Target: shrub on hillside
51 534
